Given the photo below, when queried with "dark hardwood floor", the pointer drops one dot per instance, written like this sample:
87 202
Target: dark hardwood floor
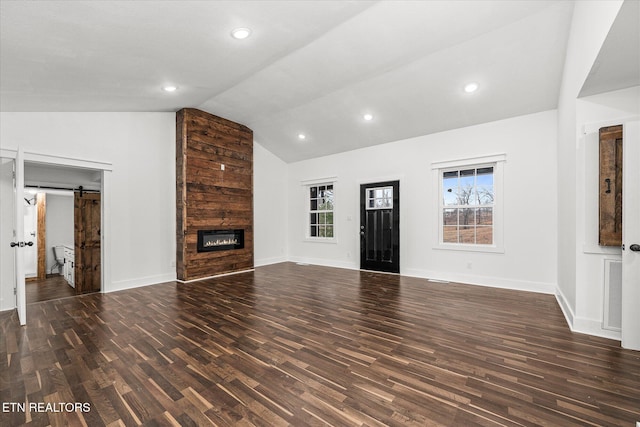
308 346
53 287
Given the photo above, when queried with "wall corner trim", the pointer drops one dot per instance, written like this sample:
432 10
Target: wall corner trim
564 306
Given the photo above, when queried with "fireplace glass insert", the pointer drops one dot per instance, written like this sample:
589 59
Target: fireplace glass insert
220 240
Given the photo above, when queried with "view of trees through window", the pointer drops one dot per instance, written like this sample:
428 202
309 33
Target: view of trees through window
321 211
468 204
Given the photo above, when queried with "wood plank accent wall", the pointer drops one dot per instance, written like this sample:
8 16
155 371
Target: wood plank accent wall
214 191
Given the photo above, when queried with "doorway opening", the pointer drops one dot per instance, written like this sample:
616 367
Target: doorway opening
67 238
380 226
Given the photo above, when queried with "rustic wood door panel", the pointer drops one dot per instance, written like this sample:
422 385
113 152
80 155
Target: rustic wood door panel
87 242
610 200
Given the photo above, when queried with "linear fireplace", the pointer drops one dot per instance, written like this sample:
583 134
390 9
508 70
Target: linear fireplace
220 240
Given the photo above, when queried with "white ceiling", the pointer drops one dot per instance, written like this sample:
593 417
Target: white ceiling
618 63
310 67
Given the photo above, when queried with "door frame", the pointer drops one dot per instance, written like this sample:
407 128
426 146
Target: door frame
18 233
395 182
105 169
630 322
31 221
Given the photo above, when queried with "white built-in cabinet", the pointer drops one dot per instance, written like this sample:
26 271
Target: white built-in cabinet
69 265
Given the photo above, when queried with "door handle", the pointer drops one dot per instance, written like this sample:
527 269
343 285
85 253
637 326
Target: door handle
20 244
635 247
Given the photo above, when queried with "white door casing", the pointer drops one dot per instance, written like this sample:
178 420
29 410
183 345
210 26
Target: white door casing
19 156
18 227
631 236
30 234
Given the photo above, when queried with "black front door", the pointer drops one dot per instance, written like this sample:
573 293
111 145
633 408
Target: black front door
380 226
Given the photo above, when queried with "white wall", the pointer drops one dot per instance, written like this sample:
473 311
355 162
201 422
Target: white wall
529 260
270 207
590 25
59 225
141 148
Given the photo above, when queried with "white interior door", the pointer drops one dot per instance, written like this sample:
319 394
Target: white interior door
12 285
7 227
631 236
17 243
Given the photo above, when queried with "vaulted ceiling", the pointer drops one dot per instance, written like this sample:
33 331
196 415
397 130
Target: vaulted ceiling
308 67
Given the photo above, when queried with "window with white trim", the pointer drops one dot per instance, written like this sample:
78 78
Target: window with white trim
467 206
321 206
470 206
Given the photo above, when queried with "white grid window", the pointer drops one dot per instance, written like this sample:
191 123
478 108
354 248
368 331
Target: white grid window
467 205
380 198
321 205
470 207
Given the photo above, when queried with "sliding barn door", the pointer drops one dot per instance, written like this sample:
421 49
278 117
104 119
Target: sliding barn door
87 242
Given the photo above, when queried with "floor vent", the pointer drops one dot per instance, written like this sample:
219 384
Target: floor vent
612 316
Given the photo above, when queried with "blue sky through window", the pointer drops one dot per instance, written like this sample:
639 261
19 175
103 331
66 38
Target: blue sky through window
468 187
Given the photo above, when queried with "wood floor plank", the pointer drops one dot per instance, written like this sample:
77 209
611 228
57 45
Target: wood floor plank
45 289
293 345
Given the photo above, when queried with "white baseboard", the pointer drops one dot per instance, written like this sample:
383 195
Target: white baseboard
269 261
138 282
583 325
231 273
492 282
351 265
565 307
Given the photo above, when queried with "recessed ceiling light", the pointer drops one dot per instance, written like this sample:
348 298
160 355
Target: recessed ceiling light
240 33
368 117
302 136
169 88
471 87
